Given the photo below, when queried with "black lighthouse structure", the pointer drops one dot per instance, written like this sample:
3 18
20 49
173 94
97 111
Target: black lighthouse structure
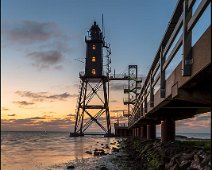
94 86
94 57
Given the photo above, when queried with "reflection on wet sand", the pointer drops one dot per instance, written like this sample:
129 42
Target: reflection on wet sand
34 150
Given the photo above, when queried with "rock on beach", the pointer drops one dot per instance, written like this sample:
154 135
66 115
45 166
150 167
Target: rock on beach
169 156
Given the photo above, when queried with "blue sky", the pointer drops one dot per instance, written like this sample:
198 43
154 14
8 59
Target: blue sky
129 26
41 40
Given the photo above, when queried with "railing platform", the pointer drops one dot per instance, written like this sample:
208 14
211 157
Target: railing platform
186 90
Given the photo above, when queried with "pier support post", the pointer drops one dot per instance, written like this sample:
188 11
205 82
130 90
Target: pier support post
133 132
151 131
167 129
130 133
143 131
138 130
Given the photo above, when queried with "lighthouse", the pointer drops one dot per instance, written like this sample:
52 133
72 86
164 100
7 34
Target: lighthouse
94 56
93 80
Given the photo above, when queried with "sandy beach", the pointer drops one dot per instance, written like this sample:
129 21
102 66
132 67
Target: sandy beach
104 158
56 151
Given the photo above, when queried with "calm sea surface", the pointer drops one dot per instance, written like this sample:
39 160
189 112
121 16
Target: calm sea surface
38 150
193 135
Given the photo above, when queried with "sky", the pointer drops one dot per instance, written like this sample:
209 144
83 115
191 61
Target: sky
41 45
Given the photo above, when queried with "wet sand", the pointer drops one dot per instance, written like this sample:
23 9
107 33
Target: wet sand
57 151
99 162
54 150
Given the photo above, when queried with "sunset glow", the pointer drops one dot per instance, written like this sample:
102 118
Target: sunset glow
42 44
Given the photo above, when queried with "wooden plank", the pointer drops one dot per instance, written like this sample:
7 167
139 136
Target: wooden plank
173 36
187 37
162 75
191 3
174 18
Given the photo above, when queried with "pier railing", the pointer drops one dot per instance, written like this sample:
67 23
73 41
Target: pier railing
115 76
124 77
177 35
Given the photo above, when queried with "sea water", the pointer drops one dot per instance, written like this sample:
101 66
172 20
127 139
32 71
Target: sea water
52 150
39 150
191 135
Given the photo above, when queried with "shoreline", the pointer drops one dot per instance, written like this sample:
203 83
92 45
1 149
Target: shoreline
102 156
99 153
186 153
135 153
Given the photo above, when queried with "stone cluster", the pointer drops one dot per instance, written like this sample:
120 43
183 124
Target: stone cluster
175 155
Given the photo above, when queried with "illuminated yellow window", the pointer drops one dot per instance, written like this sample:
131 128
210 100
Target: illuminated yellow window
93 71
93 59
93 47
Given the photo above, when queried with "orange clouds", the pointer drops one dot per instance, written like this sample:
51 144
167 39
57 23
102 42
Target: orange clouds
37 123
200 123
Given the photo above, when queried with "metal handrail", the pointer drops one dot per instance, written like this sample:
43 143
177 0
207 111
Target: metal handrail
176 22
119 76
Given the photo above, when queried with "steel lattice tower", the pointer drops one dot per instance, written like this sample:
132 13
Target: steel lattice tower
133 88
94 88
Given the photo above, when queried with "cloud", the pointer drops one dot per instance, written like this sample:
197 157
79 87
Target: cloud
37 123
28 31
200 121
23 103
46 59
71 114
4 109
30 94
59 67
11 115
42 37
206 116
41 96
60 96
35 118
47 113
46 35
25 121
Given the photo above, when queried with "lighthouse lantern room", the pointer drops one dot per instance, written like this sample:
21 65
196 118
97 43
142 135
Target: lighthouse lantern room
94 57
